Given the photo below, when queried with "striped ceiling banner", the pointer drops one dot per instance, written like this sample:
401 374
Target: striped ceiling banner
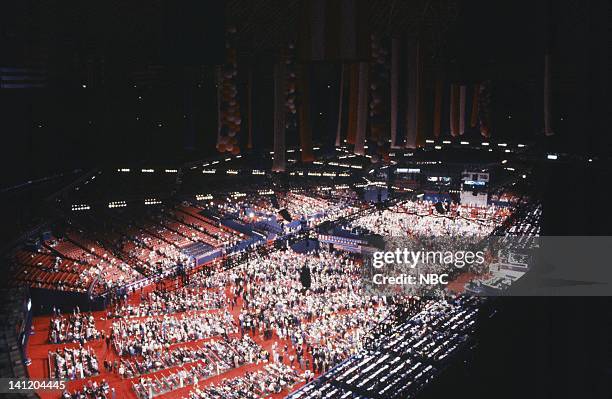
278 161
484 106
340 106
362 109
454 110
334 30
462 94
395 58
414 91
218 80
304 114
475 102
352 108
438 94
420 87
250 108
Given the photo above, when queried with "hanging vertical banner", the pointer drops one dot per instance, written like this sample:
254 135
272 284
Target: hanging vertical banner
379 84
420 87
462 94
353 96
219 123
437 122
362 109
484 107
278 162
547 102
230 119
395 54
348 29
250 110
454 110
317 29
475 102
340 105
304 114
333 30
413 91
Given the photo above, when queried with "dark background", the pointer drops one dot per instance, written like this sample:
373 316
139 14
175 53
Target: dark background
148 71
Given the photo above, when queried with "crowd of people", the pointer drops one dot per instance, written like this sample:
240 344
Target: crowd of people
317 207
73 327
158 302
263 313
323 324
145 336
273 379
92 390
403 355
73 363
420 218
226 354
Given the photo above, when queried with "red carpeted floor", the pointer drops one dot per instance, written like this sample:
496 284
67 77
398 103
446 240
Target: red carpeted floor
39 347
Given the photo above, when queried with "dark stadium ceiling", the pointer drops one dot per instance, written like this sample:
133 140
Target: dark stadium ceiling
264 26
33 30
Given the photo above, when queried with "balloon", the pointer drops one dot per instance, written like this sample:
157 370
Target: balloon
236 150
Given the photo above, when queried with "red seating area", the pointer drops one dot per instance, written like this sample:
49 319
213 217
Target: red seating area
44 270
217 235
109 268
183 223
165 379
172 232
145 247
